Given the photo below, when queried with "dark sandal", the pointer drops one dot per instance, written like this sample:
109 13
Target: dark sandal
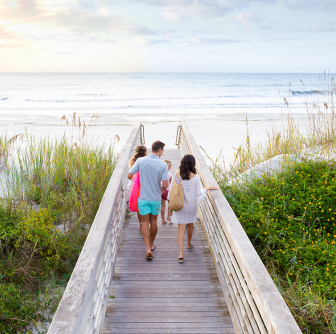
180 259
153 248
149 256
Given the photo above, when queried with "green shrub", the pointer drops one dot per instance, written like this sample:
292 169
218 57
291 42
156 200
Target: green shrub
53 194
16 308
290 218
37 229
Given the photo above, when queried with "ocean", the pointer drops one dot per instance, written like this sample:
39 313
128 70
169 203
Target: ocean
215 105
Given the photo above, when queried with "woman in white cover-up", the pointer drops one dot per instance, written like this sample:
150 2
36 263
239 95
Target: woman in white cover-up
193 194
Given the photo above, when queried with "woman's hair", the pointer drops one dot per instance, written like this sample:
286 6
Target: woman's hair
187 165
139 152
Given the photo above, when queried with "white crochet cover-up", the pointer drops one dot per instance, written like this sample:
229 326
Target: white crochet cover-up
193 194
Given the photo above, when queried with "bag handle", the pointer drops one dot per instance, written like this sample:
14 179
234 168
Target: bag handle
177 174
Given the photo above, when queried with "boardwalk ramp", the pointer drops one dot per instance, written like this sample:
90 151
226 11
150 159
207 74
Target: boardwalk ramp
222 287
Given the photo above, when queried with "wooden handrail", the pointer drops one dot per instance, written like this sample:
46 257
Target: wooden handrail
254 302
83 305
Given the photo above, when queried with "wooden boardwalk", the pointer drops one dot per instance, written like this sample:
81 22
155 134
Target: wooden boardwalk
164 296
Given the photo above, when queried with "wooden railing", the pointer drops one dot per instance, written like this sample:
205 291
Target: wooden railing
254 302
83 305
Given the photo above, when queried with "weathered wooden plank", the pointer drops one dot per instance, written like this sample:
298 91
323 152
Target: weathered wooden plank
170 301
164 318
167 316
116 306
163 294
169 330
165 277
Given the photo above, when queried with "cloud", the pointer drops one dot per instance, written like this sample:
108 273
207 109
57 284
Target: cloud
202 30
269 25
199 40
325 5
276 39
65 20
296 29
10 39
318 28
75 37
84 15
140 30
5 34
108 40
177 10
155 41
246 18
92 23
174 14
62 53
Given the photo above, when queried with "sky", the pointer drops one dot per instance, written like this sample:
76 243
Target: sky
287 36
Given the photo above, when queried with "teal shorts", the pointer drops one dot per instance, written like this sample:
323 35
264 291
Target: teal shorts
147 207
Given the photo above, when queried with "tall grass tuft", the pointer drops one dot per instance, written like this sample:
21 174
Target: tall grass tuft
52 190
317 136
61 176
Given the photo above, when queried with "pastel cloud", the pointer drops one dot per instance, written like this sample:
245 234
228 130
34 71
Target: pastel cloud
208 40
326 5
247 18
177 10
119 35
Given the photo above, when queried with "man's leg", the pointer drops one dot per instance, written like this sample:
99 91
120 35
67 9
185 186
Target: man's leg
145 232
139 218
153 229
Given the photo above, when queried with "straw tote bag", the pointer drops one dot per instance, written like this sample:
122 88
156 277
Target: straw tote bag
176 197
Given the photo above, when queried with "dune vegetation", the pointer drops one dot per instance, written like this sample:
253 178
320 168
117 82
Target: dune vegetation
52 191
289 214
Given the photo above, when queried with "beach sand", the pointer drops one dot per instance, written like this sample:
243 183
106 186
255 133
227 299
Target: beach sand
214 136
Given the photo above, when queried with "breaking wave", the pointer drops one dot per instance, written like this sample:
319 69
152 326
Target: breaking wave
308 92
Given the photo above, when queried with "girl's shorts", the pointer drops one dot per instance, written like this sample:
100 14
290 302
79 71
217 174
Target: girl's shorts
164 196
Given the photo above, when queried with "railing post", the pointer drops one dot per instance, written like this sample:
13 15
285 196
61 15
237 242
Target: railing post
142 135
178 136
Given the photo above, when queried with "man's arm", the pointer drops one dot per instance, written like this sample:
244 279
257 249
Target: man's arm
164 184
133 170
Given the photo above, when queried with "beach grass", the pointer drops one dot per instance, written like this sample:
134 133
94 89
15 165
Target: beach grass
52 191
318 133
290 214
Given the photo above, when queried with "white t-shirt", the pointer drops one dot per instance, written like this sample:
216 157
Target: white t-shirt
169 178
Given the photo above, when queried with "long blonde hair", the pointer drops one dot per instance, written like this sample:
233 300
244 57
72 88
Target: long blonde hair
140 151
